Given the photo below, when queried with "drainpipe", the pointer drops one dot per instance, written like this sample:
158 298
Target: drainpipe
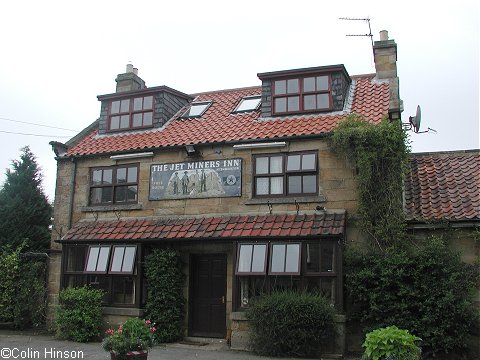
72 192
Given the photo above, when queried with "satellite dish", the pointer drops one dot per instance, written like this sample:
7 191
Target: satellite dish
415 120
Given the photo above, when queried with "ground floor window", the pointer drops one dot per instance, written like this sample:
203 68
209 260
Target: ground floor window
112 269
313 266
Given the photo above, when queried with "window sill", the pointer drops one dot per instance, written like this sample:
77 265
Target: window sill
111 208
285 200
107 310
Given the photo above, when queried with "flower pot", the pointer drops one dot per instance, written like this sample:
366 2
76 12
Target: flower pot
132 355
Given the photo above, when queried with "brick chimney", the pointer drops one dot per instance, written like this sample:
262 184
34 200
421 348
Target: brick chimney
385 55
130 80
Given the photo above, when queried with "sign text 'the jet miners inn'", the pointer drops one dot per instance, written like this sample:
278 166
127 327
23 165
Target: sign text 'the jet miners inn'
198 179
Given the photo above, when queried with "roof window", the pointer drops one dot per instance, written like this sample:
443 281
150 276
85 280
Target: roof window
248 103
196 109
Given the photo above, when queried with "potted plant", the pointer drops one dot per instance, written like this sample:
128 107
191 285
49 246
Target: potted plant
131 340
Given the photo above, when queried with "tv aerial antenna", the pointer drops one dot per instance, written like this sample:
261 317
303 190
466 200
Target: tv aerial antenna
367 20
414 123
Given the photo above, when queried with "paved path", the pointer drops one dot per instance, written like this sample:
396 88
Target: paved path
15 345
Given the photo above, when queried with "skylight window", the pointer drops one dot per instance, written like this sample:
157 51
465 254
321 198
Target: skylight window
196 109
249 103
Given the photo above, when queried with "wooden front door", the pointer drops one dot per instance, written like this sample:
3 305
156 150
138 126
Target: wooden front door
208 290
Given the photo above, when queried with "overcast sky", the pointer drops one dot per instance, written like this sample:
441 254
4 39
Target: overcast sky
57 56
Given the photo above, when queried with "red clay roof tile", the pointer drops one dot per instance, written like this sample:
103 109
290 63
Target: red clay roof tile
329 224
218 124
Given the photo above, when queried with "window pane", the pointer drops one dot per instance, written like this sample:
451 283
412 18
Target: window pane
97 177
103 258
250 287
248 104
245 258
309 102
125 106
261 165
323 101
294 184
309 184
92 258
293 162
137 104
196 109
120 194
276 185
75 256
258 261
115 122
95 196
280 87
276 164
107 195
148 102
292 264
123 290
322 83
278 258
327 257
261 186
308 162
293 103
115 107
132 174
129 259
124 121
132 193
280 105
292 86
309 84
117 258
137 120
313 257
121 175
107 176
147 119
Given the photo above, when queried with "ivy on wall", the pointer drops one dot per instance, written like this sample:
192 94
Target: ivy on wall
380 153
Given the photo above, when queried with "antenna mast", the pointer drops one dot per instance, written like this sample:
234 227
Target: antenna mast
360 19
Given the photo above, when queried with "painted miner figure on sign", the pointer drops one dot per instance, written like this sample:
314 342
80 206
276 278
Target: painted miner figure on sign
199 179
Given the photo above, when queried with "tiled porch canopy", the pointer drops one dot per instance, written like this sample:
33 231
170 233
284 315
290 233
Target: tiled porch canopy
242 227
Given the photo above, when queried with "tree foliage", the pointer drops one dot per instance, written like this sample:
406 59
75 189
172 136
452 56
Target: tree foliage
379 152
165 300
25 213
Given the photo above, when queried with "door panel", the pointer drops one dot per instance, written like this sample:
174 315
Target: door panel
208 291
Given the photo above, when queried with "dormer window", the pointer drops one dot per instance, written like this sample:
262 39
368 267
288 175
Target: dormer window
131 113
304 94
197 109
248 103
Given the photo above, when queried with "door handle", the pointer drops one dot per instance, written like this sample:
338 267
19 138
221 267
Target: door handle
223 299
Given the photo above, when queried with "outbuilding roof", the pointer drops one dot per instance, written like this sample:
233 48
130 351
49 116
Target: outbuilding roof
443 186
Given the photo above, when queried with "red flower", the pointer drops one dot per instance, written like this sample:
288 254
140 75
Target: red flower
148 322
152 329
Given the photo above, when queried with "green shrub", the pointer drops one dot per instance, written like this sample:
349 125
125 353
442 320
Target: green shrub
290 324
22 290
429 291
79 315
391 343
165 301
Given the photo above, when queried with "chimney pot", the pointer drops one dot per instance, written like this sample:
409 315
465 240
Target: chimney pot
383 35
129 68
135 71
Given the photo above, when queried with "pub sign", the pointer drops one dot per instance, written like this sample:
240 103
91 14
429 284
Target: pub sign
196 179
